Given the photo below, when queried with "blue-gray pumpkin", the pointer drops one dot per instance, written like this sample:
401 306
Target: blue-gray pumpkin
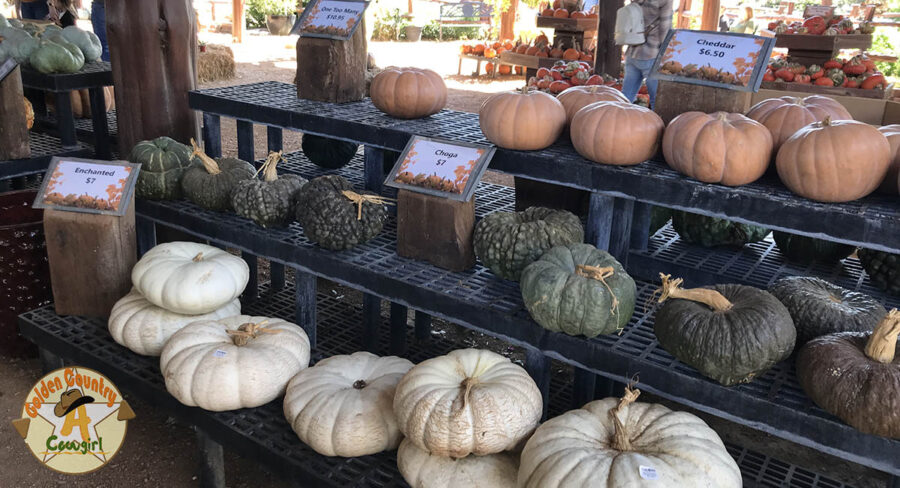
163 162
209 182
268 202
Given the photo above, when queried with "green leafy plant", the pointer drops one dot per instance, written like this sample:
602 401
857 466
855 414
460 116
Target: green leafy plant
389 25
887 41
432 29
257 10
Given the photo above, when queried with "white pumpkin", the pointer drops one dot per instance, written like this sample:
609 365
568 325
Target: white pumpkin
611 443
189 278
144 328
470 401
423 470
343 406
235 362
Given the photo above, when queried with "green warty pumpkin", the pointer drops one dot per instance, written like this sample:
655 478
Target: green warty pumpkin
163 162
209 182
506 242
332 220
268 202
711 231
579 290
328 153
806 250
883 269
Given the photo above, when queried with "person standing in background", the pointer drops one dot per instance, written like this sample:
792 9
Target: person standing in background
98 21
639 59
745 25
32 9
63 12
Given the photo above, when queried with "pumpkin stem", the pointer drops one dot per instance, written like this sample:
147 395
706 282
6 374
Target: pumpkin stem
359 384
467 385
600 274
210 164
621 441
359 199
249 331
268 168
525 90
672 289
826 121
198 257
882 343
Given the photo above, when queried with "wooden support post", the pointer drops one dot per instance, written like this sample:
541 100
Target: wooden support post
14 140
65 120
583 383
91 257
399 319
684 21
212 461
374 168
305 304
371 322
332 71
251 292
620 235
608 57
245 141
212 135
237 21
674 98
710 19
435 229
538 367
508 21
423 325
153 52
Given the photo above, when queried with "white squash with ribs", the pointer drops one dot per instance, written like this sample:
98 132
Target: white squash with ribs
423 470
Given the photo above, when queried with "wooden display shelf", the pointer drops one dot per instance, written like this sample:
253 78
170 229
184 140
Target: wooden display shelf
576 25
528 61
805 42
828 90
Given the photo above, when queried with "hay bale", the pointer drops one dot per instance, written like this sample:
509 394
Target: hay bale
217 63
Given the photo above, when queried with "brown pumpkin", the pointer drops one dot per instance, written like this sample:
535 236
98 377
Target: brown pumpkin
616 133
408 93
785 115
29 114
81 101
891 182
578 97
834 161
721 148
523 120
856 376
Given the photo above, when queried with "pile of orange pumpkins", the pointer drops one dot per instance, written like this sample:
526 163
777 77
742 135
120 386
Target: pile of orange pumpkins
491 50
567 10
856 72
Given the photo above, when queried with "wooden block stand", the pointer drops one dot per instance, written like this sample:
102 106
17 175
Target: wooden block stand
330 70
14 140
674 98
436 230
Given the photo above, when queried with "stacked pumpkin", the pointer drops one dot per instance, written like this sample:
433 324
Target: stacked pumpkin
408 93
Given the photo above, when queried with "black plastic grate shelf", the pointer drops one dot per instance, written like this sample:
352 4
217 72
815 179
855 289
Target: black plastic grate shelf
263 434
92 75
43 147
84 128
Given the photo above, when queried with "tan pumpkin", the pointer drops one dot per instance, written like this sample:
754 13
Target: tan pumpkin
29 114
616 133
721 148
523 120
422 469
834 161
81 102
891 182
578 97
785 115
408 93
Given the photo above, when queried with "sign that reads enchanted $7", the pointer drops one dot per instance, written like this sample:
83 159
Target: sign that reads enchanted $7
712 56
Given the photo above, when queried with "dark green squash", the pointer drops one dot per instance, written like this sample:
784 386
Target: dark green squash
163 162
579 290
328 153
209 183
818 307
856 376
711 231
659 217
806 250
268 202
883 269
730 333
332 220
506 242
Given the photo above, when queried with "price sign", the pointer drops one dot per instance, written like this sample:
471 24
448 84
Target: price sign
87 185
332 19
723 59
824 11
439 167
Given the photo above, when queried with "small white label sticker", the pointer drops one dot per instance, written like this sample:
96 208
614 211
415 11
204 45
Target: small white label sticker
649 473
221 354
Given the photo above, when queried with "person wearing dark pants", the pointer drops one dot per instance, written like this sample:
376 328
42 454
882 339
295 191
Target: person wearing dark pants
98 20
32 9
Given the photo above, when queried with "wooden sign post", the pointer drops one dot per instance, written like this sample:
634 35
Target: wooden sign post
14 140
90 232
435 202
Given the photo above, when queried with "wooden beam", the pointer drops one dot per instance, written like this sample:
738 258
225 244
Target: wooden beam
237 21
14 141
684 20
608 56
710 19
508 21
332 71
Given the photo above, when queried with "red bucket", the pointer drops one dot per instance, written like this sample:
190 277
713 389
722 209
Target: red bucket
24 272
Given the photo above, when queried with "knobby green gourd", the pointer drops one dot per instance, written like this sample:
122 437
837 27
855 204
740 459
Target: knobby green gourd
711 231
209 184
579 290
507 242
87 41
818 307
163 162
56 56
268 202
730 333
806 250
328 153
883 269
336 217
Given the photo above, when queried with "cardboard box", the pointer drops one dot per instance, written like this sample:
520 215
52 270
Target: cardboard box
868 110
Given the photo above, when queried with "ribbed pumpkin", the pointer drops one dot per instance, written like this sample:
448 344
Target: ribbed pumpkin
268 202
730 333
332 219
834 161
163 162
422 469
721 147
209 182
328 153
712 231
784 116
507 242
578 97
29 114
891 182
883 269
806 250
616 133
408 93
579 290
523 120
856 376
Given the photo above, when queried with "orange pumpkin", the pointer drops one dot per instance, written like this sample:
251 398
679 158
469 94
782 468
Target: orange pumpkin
81 101
520 70
531 51
465 49
556 52
891 184
616 133
561 13
572 54
541 40
504 69
522 48
29 114
408 93
523 120
543 53
785 115
479 49
497 45
578 97
834 160
489 68
578 15
722 147
587 57
547 12
508 45
490 52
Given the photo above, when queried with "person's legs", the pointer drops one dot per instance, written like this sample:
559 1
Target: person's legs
35 10
646 65
633 78
98 20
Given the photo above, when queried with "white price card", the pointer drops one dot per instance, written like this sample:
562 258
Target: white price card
648 472
722 59
824 11
86 185
440 167
333 19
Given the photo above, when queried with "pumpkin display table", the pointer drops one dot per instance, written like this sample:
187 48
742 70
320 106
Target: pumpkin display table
43 147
